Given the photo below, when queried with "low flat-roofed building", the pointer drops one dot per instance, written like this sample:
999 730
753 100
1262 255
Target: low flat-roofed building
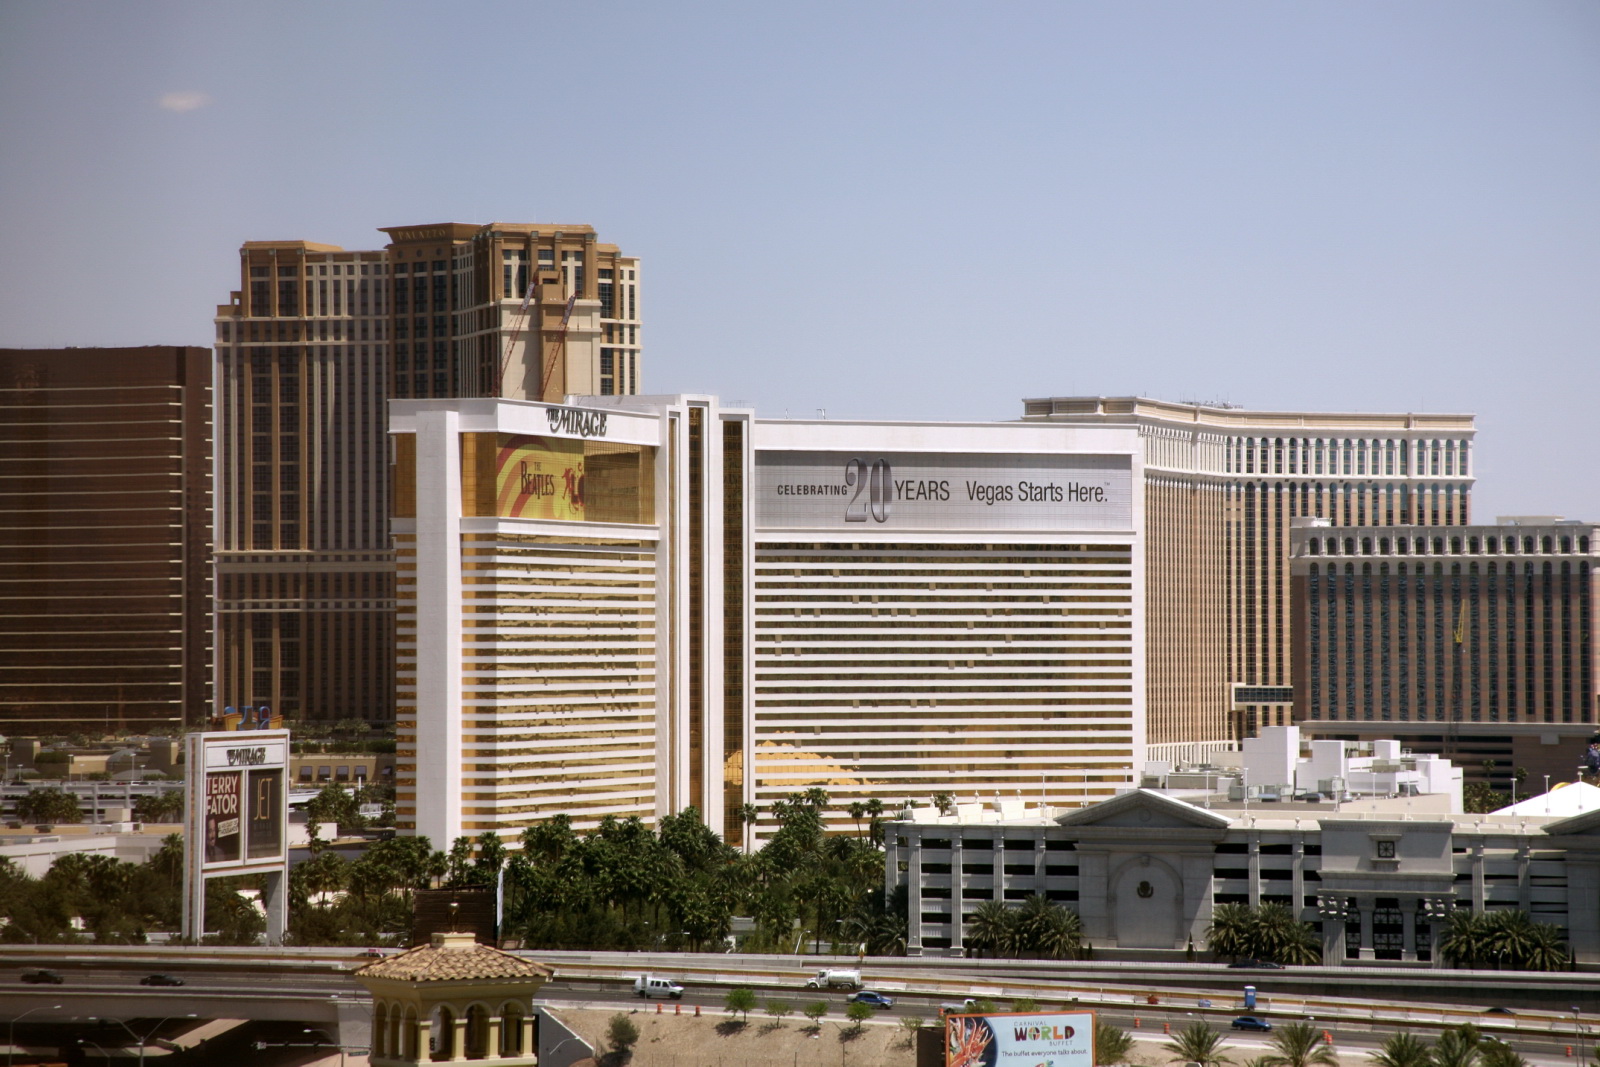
1145 872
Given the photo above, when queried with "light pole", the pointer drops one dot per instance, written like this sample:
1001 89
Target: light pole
11 1030
331 1041
146 1038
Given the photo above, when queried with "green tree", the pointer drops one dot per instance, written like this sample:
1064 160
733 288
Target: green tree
622 1034
1023 1004
992 929
1403 1050
1111 1044
335 806
1496 1053
1197 1043
160 807
778 1009
1299 1045
50 805
945 802
741 1000
858 1014
1229 932
1459 1046
815 1011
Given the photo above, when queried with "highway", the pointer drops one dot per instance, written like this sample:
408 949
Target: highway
316 986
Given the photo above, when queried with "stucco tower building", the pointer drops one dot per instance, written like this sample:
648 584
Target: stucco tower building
310 346
1223 487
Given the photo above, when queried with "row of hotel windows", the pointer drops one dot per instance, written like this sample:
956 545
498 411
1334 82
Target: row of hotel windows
1420 546
1260 455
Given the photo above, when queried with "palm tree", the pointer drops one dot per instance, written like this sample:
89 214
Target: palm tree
1228 934
1275 934
1403 1050
991 928
1197 1043
1545 951
1298 1045
1496 1053
1459 1046
1463 943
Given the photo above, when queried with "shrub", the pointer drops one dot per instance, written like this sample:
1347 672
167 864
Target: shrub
622 1034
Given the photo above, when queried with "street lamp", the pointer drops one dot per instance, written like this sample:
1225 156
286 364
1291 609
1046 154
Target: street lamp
11 1030
331 1041
146 1038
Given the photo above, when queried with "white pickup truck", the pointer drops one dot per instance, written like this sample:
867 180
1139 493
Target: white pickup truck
834 979
649 986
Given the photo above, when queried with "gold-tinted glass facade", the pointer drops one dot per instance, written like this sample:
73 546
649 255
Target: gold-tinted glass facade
897 671
105 539
559 680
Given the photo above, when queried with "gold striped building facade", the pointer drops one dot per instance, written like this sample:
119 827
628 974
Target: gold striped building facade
1224 488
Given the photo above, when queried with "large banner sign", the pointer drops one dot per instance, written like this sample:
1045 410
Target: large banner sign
539 478
864 491
239 779
1023 1039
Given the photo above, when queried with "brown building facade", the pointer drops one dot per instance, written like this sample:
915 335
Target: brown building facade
310 348
105 539
1223 487
1477 643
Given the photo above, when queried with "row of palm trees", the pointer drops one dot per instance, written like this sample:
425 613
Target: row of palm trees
1039 929
1302 1045
1269 932
1503 938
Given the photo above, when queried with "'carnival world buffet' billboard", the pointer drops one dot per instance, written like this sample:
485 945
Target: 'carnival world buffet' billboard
942 491
1020 1039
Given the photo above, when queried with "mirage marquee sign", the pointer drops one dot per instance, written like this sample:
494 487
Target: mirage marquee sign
942 491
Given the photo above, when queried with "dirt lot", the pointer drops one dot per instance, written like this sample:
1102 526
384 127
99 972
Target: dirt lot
718 1040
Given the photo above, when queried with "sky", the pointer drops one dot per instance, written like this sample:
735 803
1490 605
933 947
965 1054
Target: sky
882 210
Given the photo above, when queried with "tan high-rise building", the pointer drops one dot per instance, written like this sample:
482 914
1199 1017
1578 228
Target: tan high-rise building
1223 487
105 539
310 347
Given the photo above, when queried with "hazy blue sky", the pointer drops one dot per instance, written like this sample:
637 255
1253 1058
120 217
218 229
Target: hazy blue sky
901 210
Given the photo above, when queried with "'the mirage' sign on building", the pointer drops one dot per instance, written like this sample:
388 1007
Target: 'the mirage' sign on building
942 491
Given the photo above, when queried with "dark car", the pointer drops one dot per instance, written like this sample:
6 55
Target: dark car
1250 1022
1498 1011
42 977
1258 965
160 979
868 996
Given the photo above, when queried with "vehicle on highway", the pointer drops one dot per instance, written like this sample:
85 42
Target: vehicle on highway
833 978
1310 798
373 953
160 979
42 977
1259 965
1498 1011
650 986
958 1007
1250 1022
868 996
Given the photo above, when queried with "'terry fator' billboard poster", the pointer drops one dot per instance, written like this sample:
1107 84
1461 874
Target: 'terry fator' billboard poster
1020 1039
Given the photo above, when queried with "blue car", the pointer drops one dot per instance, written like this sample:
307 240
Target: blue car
1250 1022
867 996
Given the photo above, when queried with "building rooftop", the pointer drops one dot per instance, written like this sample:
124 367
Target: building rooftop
453 957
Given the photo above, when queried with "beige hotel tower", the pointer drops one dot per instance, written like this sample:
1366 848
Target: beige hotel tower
1223 487
310 347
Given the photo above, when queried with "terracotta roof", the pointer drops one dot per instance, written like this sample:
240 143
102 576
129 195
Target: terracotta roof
453 958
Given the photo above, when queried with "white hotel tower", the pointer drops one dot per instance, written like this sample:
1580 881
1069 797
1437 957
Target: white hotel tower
642 603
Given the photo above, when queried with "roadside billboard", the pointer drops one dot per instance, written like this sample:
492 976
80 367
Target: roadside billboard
236 816
1020 1039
